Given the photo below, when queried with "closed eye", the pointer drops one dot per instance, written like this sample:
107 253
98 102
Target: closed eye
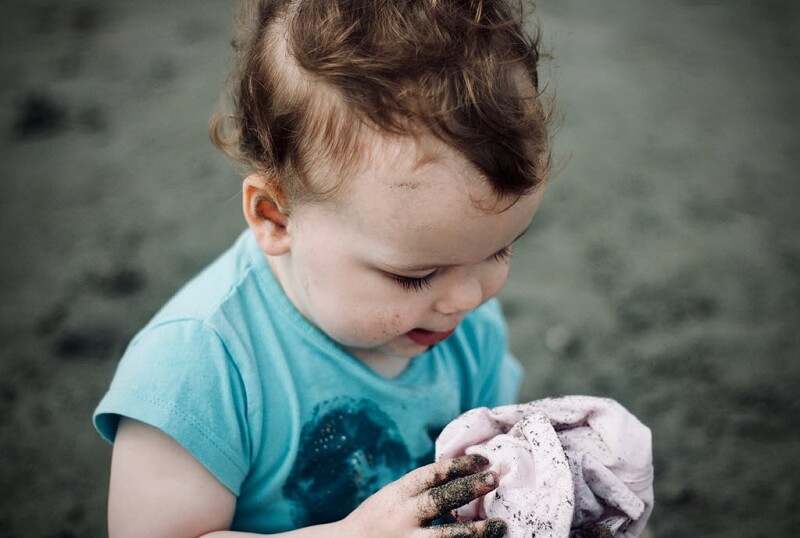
413 283
502 255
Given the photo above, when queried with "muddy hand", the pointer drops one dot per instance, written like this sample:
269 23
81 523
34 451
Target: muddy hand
406 507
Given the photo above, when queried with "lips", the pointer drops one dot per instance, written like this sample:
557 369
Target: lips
428 338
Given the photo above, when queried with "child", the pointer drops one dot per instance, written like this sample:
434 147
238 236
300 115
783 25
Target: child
394 151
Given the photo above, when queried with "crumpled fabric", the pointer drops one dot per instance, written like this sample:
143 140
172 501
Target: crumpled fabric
569 467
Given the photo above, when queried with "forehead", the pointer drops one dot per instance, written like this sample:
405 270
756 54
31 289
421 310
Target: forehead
414 198
396 175
406 165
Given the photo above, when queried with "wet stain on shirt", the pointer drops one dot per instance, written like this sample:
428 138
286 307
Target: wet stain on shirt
348 451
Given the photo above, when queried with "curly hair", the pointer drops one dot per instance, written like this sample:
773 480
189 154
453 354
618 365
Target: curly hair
311 75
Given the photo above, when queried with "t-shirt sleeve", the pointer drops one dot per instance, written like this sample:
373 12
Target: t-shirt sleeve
501 372
180 378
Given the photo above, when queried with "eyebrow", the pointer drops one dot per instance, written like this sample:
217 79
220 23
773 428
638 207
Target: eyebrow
426 267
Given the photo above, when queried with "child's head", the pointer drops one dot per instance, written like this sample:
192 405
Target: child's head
313 75
394 149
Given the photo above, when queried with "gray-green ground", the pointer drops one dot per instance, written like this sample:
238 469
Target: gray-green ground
663 269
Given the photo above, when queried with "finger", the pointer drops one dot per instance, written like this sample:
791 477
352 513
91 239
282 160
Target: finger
445 471
425 477
441 499
492 528
448 517
592 530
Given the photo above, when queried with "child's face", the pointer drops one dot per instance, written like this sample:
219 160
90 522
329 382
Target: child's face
403 252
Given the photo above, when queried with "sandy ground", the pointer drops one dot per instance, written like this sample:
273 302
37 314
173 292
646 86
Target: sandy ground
663 269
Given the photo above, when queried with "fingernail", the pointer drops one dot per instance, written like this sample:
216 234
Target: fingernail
490 479
495 528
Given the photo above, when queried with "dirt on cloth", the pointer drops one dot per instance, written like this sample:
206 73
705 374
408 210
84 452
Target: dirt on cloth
663 269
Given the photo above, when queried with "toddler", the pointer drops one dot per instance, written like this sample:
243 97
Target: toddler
392 152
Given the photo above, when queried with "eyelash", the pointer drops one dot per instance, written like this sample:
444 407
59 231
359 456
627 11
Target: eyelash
503 255
422 283
413 284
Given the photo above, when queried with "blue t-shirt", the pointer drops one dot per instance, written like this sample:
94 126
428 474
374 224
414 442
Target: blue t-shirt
297 428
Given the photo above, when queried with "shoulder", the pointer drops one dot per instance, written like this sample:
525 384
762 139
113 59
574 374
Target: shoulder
480 342
180 378
172 363
486 326
478 360
219 282
490 313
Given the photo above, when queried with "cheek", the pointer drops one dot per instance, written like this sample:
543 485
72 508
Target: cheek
494 280
357 306
364 326
376 327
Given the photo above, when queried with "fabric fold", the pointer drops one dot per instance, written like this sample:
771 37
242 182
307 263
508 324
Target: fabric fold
575 466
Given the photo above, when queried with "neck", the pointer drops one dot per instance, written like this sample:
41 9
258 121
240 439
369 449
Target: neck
383 364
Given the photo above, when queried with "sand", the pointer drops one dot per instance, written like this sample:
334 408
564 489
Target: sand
663 269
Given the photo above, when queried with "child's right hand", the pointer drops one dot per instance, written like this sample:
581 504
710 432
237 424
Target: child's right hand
405 508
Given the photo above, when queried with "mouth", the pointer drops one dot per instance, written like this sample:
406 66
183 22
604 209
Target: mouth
427 338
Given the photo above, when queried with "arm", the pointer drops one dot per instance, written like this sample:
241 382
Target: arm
158 489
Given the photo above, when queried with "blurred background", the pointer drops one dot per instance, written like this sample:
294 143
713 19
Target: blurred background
663 269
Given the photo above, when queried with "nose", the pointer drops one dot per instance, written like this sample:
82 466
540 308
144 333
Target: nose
463 293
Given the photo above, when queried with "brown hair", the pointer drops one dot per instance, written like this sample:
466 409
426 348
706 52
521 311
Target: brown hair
310 75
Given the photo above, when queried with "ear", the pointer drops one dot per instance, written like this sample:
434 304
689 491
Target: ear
264 206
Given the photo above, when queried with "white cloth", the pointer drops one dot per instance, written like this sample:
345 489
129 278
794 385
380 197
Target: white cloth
570 466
